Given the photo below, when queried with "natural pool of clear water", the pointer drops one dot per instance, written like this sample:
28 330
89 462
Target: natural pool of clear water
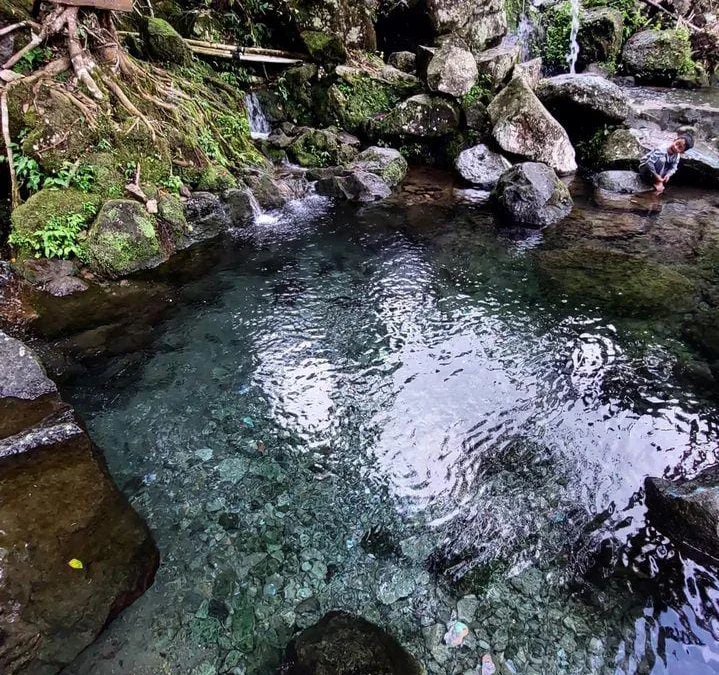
391 410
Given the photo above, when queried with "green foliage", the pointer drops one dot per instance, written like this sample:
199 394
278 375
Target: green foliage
632 16
81 176
250 20
173 184
31 61
513 10
557 34
482 91
58 238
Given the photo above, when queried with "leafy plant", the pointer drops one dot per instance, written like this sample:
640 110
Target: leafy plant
32 60
81 176
58 238
173 184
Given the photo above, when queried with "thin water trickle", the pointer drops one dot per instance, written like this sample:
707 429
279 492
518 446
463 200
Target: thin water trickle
573 54
391 411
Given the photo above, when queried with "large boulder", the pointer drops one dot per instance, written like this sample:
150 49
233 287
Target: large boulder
58 504
600 36
620 150
404 61
659 56
164 43
481 167
421 116
355 185
480 24
387 163
496 65
123 239
523 126
452 71
581 100
358 95
324 47
531 71
687 510
321 147
349 23
343 644
530 194
207 218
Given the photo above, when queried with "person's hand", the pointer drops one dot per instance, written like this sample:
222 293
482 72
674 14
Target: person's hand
659 187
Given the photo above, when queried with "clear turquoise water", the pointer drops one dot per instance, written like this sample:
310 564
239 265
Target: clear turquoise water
407 371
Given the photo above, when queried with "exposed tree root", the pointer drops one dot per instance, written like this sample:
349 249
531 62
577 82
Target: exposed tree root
14 190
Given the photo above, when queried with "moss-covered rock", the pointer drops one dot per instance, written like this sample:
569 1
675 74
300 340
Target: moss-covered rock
294 97
38 210
358 95
420 116
386 163
600 36
349 21
659 56
164 43
123 239
324 47
321 147
215 178
620 150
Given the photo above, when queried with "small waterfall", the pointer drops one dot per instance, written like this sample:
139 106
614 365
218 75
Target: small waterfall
525 32
573 45
259 124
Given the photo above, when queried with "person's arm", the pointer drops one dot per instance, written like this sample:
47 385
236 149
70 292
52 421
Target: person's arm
672 170
650 162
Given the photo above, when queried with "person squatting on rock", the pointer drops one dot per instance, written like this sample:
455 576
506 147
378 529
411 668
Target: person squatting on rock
658 166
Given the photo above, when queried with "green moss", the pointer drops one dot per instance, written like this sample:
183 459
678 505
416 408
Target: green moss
632 18
482 91
324 47
43 205
123 239
164 43
215 178
557 23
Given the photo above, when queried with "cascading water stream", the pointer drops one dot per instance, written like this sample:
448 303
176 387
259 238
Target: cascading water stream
259 124
573 44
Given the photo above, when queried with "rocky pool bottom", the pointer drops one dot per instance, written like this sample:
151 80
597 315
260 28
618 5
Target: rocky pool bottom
407 412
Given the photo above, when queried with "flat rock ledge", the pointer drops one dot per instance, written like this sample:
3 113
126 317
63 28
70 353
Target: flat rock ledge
58 504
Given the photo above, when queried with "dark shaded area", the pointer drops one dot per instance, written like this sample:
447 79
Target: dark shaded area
404 28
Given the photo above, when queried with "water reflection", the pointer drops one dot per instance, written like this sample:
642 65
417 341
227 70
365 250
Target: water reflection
361 371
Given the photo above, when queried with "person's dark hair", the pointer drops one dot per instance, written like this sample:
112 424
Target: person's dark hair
688 140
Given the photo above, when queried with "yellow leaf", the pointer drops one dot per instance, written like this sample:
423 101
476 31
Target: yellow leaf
76 564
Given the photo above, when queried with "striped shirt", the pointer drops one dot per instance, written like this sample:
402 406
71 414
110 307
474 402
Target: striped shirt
660 162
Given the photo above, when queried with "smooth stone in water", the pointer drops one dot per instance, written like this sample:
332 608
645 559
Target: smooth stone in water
531 194
480 166
622 182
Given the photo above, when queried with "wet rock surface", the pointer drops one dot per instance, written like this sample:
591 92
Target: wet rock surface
420 116
687 510
523 126
622 182
343 644
57 505
452 71
531 194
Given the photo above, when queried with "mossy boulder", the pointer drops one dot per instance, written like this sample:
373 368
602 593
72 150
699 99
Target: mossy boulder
123 239
620 150
321 147
357 95
164 43
659 56
32 216
215 178
421 116
386 163
324 47
294 97
600 36
349 21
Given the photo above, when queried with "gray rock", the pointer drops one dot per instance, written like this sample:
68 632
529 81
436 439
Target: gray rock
531 194
395 584
206 217
56 277
480 166
621 182
531 71
523 126
421 116
355 186
452 71
687 510
343 644
61 287
481 24
498 63
242 206
467 608
404 61
657 56
476 116
600 35
585 98
271 192
386 163
27 395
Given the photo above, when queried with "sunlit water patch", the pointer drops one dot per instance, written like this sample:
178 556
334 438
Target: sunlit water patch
394 415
